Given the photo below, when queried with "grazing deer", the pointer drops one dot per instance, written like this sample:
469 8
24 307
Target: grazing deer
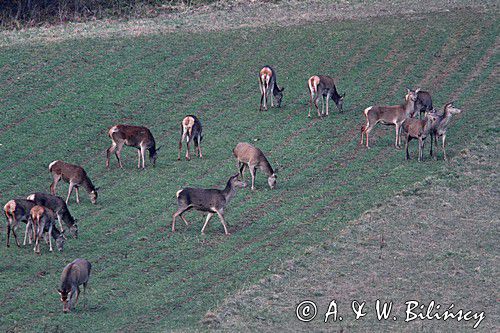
73 275
191 131
389 115
213 201
252 158
58 205
18 210
423 103
76 176
416 129
323 86
268 85
440 125
42 218
133 136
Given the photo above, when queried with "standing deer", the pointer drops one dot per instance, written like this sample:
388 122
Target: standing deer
389 115
133 136
416 129
268 85
76 176
423 103
58 205
323 86
440 125
213 201
18 210
252 158
42 218
191 131
73 275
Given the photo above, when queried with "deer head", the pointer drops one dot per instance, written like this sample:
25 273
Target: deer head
278 95
65 299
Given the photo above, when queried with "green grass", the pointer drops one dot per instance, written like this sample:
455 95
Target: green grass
58 101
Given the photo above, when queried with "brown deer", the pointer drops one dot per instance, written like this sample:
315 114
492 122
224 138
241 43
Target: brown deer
42 219
416 129
191 131
423 103
252 158
389 115
440 125
133 136
213 201
76 176
18 210
58 205
323 86
73 275
268 85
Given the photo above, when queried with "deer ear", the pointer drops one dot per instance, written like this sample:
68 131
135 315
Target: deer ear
416 91
157 149
282 88
343 95
97 188
59 291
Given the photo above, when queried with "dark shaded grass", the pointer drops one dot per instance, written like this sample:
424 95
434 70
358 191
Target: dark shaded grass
144 278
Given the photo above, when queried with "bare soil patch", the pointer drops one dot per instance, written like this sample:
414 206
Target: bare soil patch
234 14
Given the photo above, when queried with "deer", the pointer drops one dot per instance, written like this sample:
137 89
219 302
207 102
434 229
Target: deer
133 136
389 115
423 103
76 176
76 273
323 86
58 205
440 125
42 219
18 210
268 85
213 201
252 158
417 129
191 131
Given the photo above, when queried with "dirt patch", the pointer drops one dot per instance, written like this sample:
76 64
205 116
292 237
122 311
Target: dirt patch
225 15
424 244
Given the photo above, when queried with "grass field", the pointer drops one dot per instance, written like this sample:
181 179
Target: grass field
58 100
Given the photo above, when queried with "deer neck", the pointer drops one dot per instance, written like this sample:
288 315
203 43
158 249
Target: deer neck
266 168
229 192
87 185
409 107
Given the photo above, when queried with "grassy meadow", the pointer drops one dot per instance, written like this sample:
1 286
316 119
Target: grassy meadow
58 100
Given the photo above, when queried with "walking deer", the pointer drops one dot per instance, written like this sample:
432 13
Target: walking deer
18 210
133 136
440 125
76 176
252 158
73 275
389 115
323 86
191 131
58 205
42 219
268 85
213 201
416 129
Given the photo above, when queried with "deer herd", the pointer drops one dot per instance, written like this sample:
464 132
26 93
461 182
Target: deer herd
39 210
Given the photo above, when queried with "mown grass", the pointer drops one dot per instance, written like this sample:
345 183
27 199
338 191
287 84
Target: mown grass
59 100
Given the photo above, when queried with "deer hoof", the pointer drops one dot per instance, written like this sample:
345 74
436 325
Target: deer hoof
228 234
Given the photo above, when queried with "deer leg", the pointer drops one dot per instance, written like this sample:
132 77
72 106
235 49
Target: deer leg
77 292
242 166
15 235
26 231
420 146
187 152
327 100
311 94
209 216
397 136
444 149
118 154
316 103
199 146
60 223
77 195
138 158
143 153
407 156
436 147
179 211
8 234
54 184
252 172
271 94
367 131
184 219
70 189
109 151
222 221
50 238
